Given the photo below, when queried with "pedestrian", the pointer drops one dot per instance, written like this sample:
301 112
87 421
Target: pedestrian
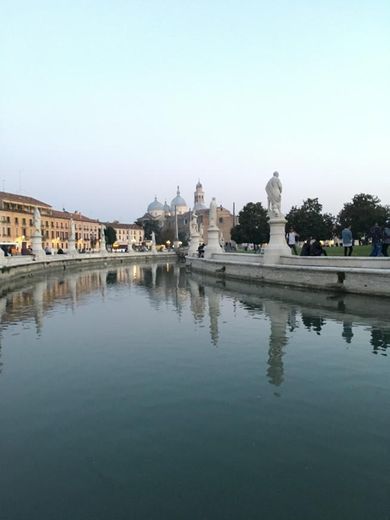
292 237
346 236
386 238
316 248
376 240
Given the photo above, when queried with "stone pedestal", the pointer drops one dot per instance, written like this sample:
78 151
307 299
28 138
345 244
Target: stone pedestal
277 242
176 244
72 247
194 244
213 245
153 249
36 245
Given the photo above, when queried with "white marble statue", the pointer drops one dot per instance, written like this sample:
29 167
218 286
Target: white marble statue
274 195
37 222
213 213
153 238
103 248
194 224
72 230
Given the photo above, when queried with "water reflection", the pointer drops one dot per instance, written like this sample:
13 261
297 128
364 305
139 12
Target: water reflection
284 312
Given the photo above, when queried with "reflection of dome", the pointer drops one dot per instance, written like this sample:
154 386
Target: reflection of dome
179 203
155 206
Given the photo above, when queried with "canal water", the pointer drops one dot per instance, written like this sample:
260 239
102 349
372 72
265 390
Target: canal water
146 392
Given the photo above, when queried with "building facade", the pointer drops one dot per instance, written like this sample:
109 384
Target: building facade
16 225
126 233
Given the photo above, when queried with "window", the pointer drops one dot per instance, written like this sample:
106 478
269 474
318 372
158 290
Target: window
8 232
23 221
30 222
16 220
220 220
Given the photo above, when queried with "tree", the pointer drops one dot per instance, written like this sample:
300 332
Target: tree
149 226
253 227
110 235
362 213
309 221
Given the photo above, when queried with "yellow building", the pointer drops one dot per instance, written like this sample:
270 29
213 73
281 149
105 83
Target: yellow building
125 233
16 225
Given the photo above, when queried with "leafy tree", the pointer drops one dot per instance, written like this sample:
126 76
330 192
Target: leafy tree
253 227
149 226
362 213
309 221
110 235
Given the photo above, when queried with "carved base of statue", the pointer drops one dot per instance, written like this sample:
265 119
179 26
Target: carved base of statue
36 246
213 245
72 247
194 244
277 242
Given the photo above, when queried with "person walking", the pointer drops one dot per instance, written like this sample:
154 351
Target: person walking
292 237
376 237
346 237
386 238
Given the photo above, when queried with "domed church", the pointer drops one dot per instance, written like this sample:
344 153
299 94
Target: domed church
176 217
178 204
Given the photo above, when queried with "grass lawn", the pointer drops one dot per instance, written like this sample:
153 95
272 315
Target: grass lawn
357 251
333 251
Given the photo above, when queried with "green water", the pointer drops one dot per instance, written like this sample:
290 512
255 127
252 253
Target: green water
149 393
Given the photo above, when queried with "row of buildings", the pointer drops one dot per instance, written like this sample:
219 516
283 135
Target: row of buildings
16 226
16 223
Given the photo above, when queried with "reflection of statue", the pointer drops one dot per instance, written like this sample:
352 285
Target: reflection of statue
279 316
37 222
213 213
273 189
347 333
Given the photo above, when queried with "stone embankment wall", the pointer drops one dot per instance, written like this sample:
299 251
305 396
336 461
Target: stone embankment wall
25 266
367 276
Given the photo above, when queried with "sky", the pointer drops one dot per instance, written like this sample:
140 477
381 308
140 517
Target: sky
106 104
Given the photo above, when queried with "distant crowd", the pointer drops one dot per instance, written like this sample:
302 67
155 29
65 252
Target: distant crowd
379 238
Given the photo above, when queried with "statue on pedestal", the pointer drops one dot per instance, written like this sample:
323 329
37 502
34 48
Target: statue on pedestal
273 189
213 213
194 225
37 222
72 230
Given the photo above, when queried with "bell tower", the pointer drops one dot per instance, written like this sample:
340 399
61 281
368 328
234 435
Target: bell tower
199 197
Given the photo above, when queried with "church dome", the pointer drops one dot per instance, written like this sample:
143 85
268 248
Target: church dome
167 207
178 202
155 206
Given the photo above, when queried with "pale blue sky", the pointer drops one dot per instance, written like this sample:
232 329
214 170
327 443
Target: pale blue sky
105 104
